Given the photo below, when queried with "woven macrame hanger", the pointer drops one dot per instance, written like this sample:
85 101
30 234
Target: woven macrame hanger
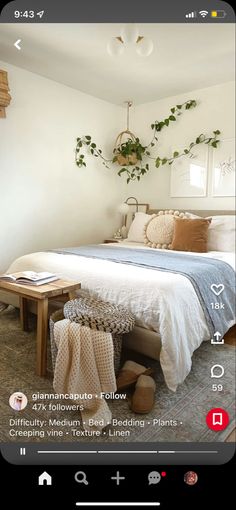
127 130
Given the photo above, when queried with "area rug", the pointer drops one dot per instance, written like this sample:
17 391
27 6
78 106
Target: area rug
176 416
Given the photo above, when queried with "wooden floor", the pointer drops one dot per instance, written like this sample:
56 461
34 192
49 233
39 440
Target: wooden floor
230 337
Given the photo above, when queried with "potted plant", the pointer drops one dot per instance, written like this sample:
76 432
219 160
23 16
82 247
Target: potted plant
127 152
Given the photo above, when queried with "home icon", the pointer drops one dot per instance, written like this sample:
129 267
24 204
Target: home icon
45 479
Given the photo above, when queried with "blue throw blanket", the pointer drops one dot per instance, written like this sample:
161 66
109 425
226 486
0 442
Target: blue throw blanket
201 271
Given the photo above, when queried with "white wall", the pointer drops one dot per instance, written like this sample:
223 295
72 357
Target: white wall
215 110
46 201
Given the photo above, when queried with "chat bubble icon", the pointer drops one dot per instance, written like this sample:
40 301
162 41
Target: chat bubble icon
154 477
217 371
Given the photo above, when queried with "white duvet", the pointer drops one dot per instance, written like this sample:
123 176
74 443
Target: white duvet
161 301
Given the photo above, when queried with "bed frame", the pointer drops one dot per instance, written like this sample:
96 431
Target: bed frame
141 340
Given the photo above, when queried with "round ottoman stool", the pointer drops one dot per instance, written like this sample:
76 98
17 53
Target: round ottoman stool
97 314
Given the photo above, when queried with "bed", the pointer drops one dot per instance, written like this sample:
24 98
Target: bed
170 323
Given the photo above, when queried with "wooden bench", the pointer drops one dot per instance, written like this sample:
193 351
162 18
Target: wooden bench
41 294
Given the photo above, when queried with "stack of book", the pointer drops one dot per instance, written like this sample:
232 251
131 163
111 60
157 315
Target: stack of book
29 278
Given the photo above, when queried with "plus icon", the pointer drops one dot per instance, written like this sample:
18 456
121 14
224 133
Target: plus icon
117 478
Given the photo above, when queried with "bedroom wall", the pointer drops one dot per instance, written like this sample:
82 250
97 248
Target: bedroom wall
215 110
46 201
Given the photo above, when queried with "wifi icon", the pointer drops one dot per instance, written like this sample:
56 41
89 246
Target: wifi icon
203 13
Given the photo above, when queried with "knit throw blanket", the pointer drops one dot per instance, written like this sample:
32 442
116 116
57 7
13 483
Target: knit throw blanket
85 366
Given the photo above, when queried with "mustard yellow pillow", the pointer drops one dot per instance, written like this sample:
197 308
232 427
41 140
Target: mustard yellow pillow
190 234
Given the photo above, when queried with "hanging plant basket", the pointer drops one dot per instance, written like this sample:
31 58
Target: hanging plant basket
123 153
130 153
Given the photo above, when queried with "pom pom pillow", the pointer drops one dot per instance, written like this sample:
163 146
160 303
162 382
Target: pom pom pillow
158 232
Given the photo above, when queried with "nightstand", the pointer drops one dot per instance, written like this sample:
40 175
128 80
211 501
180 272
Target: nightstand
112 240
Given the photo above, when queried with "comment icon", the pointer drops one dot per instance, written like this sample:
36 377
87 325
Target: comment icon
154 477
217 371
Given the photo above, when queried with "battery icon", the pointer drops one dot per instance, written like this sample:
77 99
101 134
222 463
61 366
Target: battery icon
218 14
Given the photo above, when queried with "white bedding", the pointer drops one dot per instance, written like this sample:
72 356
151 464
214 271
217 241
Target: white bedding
161 301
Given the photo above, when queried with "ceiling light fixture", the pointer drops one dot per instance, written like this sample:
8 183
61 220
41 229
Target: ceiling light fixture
144 46
130 35
115 47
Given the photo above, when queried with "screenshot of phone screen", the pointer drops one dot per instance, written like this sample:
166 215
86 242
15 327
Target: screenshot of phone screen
117 237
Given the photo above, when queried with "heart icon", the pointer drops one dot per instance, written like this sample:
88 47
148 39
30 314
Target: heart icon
217 289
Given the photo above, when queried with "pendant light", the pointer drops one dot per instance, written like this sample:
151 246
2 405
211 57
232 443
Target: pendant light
129 35
115 47
144 46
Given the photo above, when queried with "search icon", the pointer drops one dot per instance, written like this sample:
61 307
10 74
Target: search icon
80 477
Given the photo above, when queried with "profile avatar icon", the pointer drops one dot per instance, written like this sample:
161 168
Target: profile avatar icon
190 478
18 401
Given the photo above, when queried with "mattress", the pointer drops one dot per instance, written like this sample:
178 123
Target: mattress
139 289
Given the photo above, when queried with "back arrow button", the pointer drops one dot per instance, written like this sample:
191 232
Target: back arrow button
17 44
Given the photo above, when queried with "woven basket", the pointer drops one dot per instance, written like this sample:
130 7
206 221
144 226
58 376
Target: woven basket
125 160
95 314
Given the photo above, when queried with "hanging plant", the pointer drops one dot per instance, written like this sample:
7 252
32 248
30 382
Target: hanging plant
132 155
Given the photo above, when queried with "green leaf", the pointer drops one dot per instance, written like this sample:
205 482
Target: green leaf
80 144
176 153
179 106
152 126
172 117
217 132
92 151
164 161
122 171
167 122
198 140
157 163
186 151
128 180
214 144
138 177
172 110
93 145
88 137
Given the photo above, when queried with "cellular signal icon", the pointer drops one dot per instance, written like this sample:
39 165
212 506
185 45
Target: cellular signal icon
203 14
192 14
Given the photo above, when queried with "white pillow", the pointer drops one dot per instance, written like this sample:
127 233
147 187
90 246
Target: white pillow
136 231
221 233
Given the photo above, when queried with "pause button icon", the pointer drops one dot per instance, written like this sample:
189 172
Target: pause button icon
22 451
